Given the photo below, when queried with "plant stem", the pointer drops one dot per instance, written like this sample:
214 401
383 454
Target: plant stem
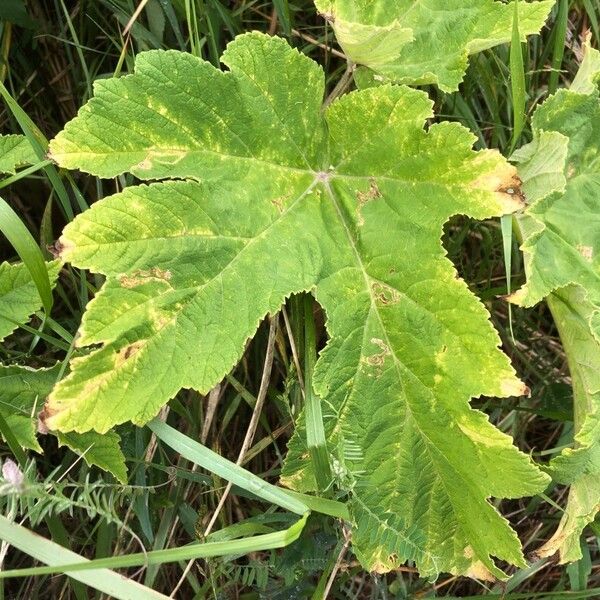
342 84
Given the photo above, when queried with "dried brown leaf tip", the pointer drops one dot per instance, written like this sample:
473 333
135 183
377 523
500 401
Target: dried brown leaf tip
43 416
55 249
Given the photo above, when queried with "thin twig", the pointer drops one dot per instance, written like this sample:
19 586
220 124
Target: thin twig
336 567
211 408
290 335
305 36
248 438
134 17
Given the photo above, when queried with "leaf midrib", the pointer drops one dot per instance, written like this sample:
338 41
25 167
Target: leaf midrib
397 361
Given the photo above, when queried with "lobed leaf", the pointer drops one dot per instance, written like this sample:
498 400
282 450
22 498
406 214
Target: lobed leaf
425 41
561 230
263 195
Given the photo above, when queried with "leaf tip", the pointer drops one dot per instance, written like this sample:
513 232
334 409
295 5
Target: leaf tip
480 572
516 298
511 386
61 248
504 182
42 421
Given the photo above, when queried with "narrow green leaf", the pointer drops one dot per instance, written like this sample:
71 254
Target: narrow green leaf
507 239
517 79
268 541
315 432
207 459
42 549
560 38
283 12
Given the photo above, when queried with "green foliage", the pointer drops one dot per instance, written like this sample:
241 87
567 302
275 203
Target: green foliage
561 174
23 390
280 197
19 297
418 42
22 394
15 152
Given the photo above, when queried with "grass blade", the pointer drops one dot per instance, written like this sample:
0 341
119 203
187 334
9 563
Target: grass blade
267 541
315 432
207 459
517 80
202 456
283 12
506 223
28 250
560 34
42 549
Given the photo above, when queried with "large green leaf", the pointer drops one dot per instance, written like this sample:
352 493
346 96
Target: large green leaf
15 151
22 394
279 196
425 41
561 229
19 297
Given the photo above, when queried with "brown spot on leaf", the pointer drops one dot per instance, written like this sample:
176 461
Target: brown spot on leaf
141 277
512 191
128 352
60 247
364 197
385 294
377 360
279 202
504 182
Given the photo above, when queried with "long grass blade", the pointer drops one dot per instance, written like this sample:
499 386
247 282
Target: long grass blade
46 551
26 247
267 541
207 459
560 35
315 432
517 80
